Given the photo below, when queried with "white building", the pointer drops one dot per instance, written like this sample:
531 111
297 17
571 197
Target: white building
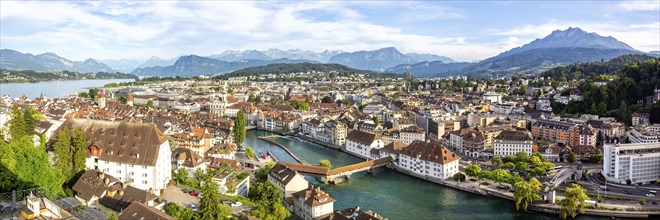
631 163
361 143
412 133
511 142
136 153
429 160
312 203
493 97
288 180
187 159
649 134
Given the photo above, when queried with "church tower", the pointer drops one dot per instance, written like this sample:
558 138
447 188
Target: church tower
101 99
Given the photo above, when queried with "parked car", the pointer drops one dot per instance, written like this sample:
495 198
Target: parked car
186 191
650 195
193 207
236 204
193 193
226 202
628 191
603 187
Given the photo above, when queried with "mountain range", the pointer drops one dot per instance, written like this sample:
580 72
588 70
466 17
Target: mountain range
14 60
561 47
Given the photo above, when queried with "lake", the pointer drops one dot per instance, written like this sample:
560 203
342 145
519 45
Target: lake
53 89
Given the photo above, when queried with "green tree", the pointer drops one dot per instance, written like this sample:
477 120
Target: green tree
497 161
150 103
537 154
526 193
599 199
210 206
509 165
537 171
535 160
473 170
16 124
522 167
32 168
325 163
180 213
93 93
249 152
459 177
522 157
574 201
376 120
63 156
326 99
29 121
261 174
111 215
642 202
269 200
571 158
83 95
181 176
79 149
500 176
239 128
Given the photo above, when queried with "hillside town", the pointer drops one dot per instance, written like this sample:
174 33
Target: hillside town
155 148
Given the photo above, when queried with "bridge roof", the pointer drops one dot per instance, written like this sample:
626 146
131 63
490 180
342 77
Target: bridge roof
306 168
319 170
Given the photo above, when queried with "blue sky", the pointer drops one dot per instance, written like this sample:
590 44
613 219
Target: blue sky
464 31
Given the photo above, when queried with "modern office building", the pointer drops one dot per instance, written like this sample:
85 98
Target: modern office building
631 163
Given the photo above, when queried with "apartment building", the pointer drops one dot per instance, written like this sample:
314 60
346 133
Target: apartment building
512 142
429 160
136 153
556 131
361 143
312 203
635 163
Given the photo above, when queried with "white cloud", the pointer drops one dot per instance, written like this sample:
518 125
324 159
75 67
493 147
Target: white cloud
167 29
652 5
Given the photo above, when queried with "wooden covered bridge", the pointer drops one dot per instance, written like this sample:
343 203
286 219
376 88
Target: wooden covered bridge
338 174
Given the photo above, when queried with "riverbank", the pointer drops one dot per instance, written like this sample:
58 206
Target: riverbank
475 188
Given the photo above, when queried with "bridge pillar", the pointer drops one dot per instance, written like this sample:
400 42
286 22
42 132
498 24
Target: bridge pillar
347 176
551 196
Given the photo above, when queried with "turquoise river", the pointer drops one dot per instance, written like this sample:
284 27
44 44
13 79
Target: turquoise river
392 194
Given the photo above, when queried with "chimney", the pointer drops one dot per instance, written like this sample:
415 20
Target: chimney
106 180
121 192
101 175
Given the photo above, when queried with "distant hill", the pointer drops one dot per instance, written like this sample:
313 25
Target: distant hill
21 76
654 53
382 59
14 60
569 46
588 69
193 65
429 69
282 68
157 61
123 65
274 54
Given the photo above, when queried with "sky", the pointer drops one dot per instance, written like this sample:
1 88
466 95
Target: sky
465 31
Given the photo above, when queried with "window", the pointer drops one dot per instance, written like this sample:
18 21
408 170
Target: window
118 171
144 182
96 160
130 173
144 174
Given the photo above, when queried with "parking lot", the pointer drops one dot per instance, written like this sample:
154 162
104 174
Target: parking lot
176 195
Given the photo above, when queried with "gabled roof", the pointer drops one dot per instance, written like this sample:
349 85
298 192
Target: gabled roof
432 152
314 197
362 137
139 211
188 156
124 195
123 142
93 183
282 174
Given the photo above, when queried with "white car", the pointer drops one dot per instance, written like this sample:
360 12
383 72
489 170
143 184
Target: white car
236 204
193 207
603 187
650 195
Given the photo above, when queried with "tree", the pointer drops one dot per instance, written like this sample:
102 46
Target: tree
473 170
269 200
93 93
526 193
325 163
537 154
261 175
376 120
181 175
500 175
459 177
571 158
497 161
596 158
537 171
239 128
249 152
111 215
32 169
83 95
79 150
326 99
522 157
210 206
642 202
573 202
150 103
522 166
599 137
599 199
16 124
179 213
29 121
509 165
62 153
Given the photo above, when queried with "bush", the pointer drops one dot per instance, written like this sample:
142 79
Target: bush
459 177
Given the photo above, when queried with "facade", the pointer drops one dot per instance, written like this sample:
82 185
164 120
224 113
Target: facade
288 180
136 153
428 159
312 203
467 141
637 163
198 140
640 119
187 159
556 131
512 142
648 134
550 152
361 143
587 136
493 97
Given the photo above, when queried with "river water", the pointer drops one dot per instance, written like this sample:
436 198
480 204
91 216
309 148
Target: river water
392 194
54 89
